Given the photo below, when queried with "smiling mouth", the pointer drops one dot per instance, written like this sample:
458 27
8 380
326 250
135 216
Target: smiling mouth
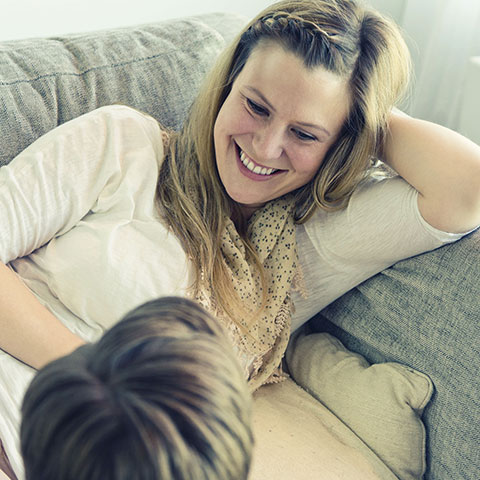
253 167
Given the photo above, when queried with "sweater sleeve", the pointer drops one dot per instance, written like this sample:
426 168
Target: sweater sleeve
338 250
69 172
381 225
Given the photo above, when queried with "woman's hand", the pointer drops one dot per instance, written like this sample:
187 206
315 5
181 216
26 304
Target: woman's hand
442 165
28 331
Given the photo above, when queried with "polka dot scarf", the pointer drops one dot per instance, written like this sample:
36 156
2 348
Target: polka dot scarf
261 341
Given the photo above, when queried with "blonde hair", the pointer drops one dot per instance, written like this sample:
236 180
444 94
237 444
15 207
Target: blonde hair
342 36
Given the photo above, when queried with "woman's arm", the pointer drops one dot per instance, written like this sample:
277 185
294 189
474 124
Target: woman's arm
442 165
44 192
29 331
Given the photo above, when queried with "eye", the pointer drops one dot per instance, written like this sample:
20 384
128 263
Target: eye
305 137
256 108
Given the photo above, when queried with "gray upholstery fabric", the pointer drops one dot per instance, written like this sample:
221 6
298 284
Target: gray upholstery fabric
425 312
156 68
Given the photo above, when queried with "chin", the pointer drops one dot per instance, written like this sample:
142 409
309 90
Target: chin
249 201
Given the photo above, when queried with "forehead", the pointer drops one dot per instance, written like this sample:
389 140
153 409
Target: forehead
314 94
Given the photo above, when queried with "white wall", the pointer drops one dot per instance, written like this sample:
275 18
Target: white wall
40 18
393 8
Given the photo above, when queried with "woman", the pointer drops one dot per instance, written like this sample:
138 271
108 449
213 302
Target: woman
262 203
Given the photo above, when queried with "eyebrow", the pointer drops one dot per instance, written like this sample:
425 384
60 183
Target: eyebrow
271 107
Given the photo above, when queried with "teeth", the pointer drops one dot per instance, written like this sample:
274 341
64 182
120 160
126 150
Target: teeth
255 168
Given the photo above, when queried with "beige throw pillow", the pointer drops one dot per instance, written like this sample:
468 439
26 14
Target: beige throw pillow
298 438
381 403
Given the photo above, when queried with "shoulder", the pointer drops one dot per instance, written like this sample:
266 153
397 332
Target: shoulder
124 113
127 127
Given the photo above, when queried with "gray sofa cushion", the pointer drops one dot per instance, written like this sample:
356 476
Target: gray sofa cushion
156 68
424 312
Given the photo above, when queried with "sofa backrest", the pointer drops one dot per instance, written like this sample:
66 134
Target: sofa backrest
156 68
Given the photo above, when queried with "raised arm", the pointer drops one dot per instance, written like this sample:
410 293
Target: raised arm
29 331
442 165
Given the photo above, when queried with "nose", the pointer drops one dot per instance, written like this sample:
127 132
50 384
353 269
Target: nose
268 143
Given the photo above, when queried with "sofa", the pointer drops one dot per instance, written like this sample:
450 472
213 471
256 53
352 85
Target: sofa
394 361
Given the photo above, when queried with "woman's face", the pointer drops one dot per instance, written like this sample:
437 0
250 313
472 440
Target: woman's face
276 125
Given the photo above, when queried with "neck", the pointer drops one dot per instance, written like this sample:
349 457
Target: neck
248 211
240 216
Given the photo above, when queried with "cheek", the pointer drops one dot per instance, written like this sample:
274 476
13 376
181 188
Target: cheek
218 126
307 164
233 120
221 133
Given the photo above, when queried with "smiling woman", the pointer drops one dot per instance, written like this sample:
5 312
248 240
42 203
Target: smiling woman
264 207
306 90
276 126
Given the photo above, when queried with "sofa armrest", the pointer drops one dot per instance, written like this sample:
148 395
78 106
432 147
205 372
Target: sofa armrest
424 312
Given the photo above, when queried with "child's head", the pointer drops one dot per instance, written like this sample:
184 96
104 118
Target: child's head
159 396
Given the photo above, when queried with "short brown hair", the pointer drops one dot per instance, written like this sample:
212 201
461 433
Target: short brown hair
160 395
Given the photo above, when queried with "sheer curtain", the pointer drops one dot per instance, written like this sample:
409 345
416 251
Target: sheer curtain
443 35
